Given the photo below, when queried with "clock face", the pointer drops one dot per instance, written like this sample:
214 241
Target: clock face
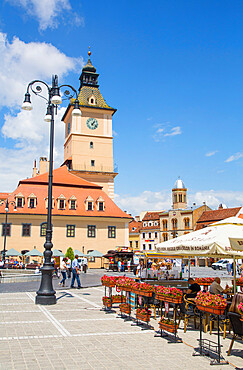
92 123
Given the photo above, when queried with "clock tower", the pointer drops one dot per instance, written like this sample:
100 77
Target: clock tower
88 146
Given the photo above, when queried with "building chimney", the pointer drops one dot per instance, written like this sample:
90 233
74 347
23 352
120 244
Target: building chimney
43 165
35 172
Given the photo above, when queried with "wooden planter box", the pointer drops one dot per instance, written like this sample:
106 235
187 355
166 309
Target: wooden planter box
109 285
107 303
145 318
212 309
119 300
167 327
143 293
125 289
161 297
125 310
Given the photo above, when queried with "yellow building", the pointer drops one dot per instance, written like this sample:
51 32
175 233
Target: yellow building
134 234
84 215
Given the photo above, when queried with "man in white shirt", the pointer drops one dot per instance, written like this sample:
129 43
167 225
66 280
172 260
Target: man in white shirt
215 287
75 271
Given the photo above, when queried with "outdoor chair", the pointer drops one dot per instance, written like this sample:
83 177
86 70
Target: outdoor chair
237 327
190 312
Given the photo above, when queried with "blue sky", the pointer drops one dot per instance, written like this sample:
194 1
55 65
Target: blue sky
173 69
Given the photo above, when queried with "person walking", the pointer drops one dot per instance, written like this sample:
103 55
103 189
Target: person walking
129 265
85 265
63 268
69 267
75 271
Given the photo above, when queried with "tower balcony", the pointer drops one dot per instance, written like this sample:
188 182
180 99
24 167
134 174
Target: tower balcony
95 168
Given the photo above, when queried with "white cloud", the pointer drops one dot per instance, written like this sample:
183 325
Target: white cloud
163 130
49 13
234 157
210 154
149 200
19 64
174 131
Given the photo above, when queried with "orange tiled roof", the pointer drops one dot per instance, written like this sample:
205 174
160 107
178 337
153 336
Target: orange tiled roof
209 217
67 185
61 176
151 216
136 225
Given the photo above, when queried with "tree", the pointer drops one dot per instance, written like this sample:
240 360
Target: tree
70 253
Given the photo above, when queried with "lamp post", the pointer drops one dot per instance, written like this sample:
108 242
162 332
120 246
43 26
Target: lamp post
7 204
46 293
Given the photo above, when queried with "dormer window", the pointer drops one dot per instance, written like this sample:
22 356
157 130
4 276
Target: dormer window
155 223
32 201
61 202
100 204
19 200
150 223
72 202
89 203
145 224
91 99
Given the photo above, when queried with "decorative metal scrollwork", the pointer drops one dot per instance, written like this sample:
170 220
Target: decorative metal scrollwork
37 89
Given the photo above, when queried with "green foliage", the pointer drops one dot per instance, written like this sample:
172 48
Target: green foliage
70 254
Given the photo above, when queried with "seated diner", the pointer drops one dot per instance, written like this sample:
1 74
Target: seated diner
215 287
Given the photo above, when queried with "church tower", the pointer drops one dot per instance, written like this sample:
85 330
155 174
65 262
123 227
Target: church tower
88 146
179 194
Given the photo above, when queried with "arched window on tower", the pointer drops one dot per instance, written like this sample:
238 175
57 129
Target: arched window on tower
165 225
165 237
175 198
91 145
180 197
184 198
187 223
174 223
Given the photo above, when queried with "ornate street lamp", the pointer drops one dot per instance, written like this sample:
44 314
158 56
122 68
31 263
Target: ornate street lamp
7 204
46 293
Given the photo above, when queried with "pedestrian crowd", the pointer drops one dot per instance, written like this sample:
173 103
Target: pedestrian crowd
73 268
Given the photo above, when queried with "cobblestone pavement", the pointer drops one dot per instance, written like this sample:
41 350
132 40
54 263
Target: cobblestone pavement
76 334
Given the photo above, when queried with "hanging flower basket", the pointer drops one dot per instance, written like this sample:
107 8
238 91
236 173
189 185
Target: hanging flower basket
109 281
165 298
204 281
125 308
211 303
239 281
107 301
216 310
168 325
143 315
144 293
171 295
118 298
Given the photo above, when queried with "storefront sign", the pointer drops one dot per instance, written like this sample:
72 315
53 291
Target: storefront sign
167 306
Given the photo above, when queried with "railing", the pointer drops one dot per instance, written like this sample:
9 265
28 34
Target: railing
96 168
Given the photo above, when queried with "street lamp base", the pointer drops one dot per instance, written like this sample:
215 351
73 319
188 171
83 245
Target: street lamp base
45 299
46 295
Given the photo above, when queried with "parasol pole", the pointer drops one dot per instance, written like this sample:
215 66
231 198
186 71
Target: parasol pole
189 267
234 270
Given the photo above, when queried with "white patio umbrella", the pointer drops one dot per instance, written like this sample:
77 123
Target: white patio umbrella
212 241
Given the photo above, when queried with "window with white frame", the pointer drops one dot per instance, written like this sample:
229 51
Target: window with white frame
19 200
32 201
143 235
100 204
145 224
61 202
89 203
72 202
